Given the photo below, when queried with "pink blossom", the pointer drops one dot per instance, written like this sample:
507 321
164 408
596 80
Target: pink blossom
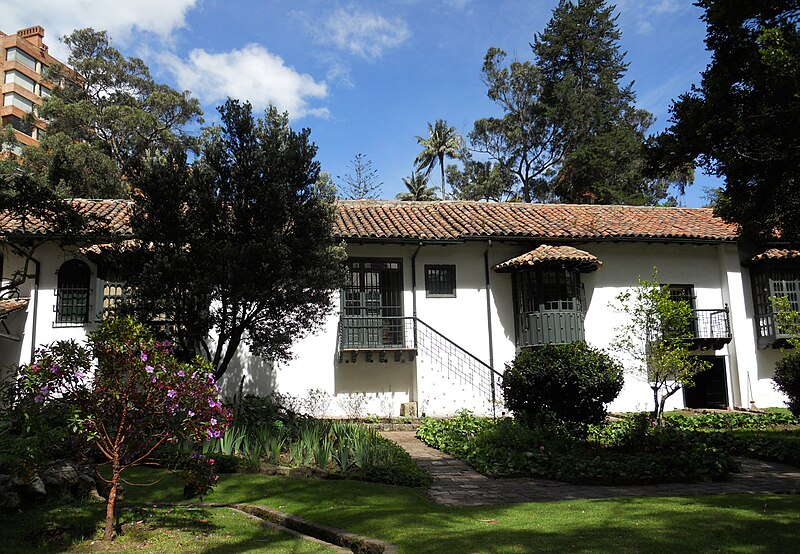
213 421
171 393
154 379
149 369
190 413
143 357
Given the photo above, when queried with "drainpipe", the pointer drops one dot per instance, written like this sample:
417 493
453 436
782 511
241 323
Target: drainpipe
35 302
489 321
414 321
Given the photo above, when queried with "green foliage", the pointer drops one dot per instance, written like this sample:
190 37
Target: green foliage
265 431
658 339
442 142
239 241
635 453
478 180
566 383
727 421
103 124
787 379
127 395
741 122
787 320
571 131
418 189
362 182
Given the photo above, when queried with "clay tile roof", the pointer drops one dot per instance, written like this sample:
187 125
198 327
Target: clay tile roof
547 254
455 220
105 216
776 255
12 305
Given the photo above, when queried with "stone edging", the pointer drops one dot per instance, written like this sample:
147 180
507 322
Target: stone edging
298 525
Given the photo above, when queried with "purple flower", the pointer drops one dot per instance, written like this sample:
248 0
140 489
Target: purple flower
79 374
190 413
44 390
212 403
154 379
38 399
213 421
171 393
149 369
143 357
54 368
181 373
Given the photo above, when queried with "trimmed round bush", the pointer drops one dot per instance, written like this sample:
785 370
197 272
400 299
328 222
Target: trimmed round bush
787 380
568 383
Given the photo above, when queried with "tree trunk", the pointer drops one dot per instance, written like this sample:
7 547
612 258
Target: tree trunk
112 498
441 165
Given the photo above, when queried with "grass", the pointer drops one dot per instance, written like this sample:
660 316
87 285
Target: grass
78 528
745 523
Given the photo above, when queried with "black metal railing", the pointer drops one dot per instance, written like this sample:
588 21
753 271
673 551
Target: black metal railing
712 324
550 327
459 364
408 333
376 333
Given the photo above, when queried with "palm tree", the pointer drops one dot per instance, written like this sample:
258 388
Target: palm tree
443 141
418 189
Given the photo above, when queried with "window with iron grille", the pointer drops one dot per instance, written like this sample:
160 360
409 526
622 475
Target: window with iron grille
72 294
115 292
440 281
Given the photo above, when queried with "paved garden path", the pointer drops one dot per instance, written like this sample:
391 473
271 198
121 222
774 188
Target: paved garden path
456 484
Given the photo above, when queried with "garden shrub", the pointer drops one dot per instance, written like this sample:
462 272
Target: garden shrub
565 383
632 452
787 380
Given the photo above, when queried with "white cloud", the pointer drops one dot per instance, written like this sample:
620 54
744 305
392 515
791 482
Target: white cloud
252 73
645 13
363 33
119 17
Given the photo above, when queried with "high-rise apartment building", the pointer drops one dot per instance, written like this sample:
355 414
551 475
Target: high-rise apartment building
25 60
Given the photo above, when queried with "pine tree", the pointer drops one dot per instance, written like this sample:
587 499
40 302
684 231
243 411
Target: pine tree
601 133
362 182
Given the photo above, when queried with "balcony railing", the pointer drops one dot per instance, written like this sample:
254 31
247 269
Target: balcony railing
711 328
376 333
768 333
551 327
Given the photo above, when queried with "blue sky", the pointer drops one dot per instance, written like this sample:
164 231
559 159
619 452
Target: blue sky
365 76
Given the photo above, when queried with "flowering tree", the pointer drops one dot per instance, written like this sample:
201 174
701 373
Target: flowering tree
129 395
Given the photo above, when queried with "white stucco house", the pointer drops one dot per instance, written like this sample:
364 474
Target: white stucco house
441 295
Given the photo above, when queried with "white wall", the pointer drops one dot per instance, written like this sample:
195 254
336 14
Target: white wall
715 272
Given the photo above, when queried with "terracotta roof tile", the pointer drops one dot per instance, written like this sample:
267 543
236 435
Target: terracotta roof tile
776 254
394 220
547 254
10 305
105 216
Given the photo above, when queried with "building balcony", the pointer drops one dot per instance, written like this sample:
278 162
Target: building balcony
768 334
711 329
549 327
376 336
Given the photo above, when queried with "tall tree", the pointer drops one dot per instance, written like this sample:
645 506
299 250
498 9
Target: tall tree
239 243
525 140
741 122
601 132
570 130
361 183
482 181
417 189
443 142
106 119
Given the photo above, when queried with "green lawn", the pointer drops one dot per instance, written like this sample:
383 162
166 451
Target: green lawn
78 527
762 523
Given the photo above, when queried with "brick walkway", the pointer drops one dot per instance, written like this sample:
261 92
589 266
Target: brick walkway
456 484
